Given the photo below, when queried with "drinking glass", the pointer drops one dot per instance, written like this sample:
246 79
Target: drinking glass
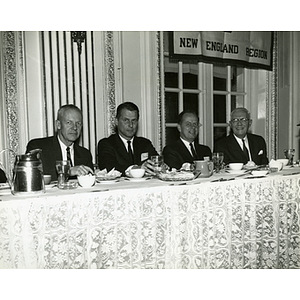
289 154
63 169
217 159
158 161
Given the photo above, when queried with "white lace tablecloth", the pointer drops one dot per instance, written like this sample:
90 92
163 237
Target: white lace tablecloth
250 223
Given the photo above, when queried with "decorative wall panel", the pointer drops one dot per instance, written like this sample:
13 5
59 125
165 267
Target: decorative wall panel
110 80
10 88
69 78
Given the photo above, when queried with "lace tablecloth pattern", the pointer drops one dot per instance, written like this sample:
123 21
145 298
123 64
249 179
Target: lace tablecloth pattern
234 224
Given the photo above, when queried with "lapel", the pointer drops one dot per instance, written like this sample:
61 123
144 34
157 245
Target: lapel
252 146
56 148
234 147
138 149
76 154
185 152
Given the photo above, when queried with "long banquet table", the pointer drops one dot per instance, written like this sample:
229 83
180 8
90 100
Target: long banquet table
240 223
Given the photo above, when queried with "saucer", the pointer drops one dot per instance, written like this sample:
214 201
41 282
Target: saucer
236 172
106 181
260 173
137 179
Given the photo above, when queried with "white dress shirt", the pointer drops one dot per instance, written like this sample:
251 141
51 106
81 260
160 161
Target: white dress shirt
126 144
187 144
240 142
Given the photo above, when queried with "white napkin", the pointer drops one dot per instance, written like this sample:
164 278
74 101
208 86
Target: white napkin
276 164
111 173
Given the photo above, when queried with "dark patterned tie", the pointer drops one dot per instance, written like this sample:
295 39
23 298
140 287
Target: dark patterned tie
193 151
69 156
130 152
245 150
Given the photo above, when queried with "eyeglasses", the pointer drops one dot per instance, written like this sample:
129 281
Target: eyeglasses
241 120
192 125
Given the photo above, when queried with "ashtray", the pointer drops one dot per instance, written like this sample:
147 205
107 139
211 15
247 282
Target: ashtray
68 185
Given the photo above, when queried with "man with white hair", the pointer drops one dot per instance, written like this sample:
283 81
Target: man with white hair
240 145
63 145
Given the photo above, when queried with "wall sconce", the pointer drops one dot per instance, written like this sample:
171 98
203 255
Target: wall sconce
78 37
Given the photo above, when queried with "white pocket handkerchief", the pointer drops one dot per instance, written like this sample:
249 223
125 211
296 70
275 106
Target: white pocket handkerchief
260 152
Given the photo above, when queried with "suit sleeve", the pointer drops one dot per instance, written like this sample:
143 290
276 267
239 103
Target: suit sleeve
206 152
107 157
171 158
220 147
88 159
31 146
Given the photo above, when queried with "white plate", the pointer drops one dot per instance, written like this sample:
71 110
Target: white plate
108 181
236 172
137 179
250 167
4 192
50 186
286 167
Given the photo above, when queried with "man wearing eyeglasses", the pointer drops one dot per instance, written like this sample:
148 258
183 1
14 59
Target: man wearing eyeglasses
186 149
240 145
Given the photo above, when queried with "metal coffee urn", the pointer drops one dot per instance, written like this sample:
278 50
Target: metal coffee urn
28 174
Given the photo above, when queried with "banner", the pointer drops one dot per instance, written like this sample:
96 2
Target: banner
246 48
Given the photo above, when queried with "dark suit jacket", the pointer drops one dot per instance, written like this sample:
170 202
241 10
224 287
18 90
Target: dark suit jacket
51 152
112 152
2 176
233 152
176 154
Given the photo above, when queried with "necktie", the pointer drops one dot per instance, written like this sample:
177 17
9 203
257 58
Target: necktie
193 151
69 156
245 150
130 152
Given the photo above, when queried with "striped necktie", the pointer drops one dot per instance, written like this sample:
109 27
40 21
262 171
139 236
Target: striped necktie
193 151
69 156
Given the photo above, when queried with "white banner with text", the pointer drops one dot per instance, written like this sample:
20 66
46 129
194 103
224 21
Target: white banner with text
247 48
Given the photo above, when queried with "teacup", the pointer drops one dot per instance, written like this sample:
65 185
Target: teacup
284 161
236 166
86 180
137 173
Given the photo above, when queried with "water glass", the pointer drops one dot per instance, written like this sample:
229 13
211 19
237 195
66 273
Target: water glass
289 154
157 161
63 170
217 159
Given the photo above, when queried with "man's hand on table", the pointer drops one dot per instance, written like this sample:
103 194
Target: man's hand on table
80 170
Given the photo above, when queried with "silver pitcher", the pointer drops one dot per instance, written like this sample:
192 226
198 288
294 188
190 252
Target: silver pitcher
28 174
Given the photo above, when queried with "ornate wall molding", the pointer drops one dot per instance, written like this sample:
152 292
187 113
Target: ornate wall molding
159 47
10 91
110 83
272 103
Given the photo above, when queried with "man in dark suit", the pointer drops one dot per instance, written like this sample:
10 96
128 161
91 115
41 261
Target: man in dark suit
185 149
124 149
69 126
239 145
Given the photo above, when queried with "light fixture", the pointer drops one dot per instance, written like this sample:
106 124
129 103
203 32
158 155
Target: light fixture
78 37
